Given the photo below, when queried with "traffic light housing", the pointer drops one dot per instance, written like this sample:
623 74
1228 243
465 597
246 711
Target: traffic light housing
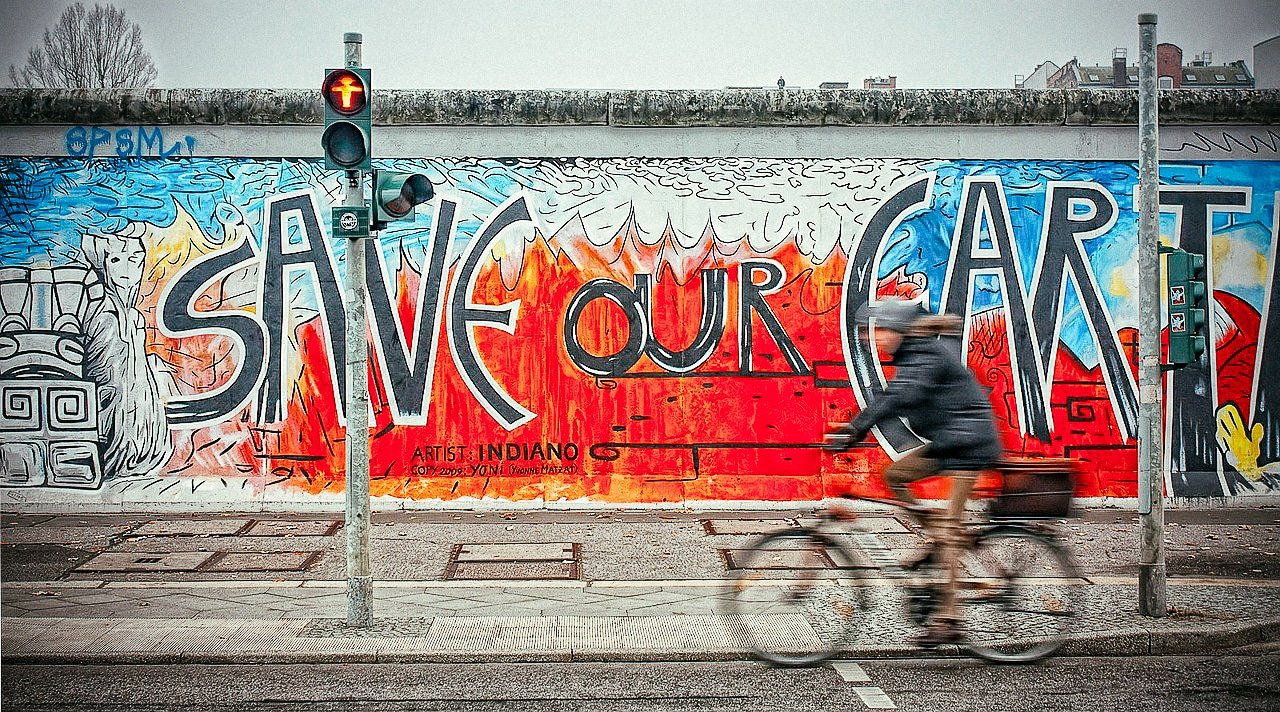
1187 294
347 119
396 194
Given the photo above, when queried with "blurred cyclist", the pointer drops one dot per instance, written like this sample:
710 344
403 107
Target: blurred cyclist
937 395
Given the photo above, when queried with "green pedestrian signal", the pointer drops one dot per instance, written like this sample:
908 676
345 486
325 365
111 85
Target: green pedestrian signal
347 119
396 194
1187 293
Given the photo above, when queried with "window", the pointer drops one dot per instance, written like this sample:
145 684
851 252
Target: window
1190 77
1220 77
1093 77
1241 78
1133 77
1166 82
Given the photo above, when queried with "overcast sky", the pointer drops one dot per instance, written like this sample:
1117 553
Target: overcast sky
607 44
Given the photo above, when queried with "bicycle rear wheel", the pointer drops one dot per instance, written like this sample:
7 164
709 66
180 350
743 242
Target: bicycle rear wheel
1020 594
788 597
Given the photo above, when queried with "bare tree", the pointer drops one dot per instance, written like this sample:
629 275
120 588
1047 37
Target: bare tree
88 49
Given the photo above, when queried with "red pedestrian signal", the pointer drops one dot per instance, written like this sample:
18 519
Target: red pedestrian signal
348 121
345 91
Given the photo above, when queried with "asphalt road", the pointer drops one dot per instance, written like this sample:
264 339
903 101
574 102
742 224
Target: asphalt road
1246 680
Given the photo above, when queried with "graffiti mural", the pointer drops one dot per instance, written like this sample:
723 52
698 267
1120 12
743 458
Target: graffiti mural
626 330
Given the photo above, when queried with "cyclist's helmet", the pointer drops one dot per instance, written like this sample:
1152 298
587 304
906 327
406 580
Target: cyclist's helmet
896 315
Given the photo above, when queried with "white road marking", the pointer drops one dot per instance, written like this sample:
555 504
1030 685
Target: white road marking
874 698
850 671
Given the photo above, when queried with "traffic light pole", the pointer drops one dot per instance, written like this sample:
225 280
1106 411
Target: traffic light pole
359 570
1152 600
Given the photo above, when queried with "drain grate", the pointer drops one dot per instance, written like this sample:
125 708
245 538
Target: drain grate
528 561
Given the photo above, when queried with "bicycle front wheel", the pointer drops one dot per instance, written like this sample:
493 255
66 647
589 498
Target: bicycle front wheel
1021 595
789 598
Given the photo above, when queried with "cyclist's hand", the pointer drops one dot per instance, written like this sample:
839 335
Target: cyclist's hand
836 442
842 439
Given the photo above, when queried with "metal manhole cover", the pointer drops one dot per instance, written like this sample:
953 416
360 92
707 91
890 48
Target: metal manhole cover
237 561
145 562
512 570
776 559
192 527
284 527
520 560
745 526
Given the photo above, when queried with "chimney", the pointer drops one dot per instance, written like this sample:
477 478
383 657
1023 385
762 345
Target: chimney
1169 63
1119 68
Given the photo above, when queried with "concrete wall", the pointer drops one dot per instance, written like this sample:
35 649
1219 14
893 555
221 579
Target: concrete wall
616 297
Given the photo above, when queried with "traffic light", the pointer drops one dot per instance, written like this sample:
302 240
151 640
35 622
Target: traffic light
347 119
396 194
1186 306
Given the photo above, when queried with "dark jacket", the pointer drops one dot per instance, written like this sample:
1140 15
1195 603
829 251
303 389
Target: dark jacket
941 401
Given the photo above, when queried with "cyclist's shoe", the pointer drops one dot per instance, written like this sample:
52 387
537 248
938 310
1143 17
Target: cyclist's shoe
942 632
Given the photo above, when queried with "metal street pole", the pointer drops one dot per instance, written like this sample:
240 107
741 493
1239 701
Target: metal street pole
359 573
1152 599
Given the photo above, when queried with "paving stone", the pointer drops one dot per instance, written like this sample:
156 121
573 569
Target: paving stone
516 552
144 562
778 559
883 525
874 523
523 570
193 527
234 562
746 526
311 594
282 527
507 633
23 520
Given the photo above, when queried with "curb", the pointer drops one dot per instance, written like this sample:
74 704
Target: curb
1118 643
1176 641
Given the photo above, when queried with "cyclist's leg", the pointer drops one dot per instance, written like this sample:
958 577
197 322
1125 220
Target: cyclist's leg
911 468
951 540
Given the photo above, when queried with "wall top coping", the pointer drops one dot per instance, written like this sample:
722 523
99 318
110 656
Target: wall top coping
648 108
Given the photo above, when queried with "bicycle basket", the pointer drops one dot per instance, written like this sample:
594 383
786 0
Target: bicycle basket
1035 489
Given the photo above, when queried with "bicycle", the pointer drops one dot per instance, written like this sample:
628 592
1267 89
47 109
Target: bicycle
794 595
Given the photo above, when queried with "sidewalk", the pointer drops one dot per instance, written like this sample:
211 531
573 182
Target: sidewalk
215 613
